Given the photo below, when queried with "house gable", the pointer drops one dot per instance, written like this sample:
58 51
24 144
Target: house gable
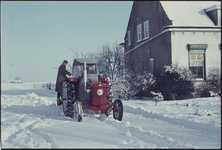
141 12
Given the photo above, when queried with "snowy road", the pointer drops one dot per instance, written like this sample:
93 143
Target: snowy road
31 119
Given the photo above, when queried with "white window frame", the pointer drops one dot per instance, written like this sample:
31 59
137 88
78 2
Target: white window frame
146 29
128 33
139 32
198 61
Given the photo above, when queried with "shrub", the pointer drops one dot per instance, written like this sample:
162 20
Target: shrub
143 81
158 97
176 83
211 85
123 88
133 84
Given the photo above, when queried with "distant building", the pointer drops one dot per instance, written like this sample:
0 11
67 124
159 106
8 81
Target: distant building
14 81
160 33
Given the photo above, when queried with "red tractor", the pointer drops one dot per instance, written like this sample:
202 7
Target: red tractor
87 89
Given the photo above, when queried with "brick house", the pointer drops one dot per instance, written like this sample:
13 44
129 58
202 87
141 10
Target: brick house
161 33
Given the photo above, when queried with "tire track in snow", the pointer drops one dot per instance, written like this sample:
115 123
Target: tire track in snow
29 127
7 118
183 122
46 137
22 128
14 102
147 136
19 129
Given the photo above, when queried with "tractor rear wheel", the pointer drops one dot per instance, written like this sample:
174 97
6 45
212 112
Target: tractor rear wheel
64 90
118 110
78 112
68 97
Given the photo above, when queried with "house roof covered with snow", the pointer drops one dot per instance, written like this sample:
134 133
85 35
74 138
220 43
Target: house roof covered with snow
189 13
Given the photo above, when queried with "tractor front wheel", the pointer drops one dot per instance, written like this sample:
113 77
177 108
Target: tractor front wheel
64 107
78 112
118 110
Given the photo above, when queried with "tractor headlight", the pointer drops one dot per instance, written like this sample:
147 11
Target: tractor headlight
99 91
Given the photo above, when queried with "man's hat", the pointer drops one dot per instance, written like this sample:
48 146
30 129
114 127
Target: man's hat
65 61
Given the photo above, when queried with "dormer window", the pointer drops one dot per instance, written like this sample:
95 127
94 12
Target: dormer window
214 13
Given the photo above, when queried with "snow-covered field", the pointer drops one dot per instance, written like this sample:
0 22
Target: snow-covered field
31 119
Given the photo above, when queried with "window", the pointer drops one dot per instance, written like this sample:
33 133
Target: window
129 37
139 32
196 61
77 71
146 29
151 65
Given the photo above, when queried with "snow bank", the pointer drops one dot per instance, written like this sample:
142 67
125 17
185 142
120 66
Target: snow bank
198 124
203 112
36 99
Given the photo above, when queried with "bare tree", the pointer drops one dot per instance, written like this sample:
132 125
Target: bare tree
76 55
111 60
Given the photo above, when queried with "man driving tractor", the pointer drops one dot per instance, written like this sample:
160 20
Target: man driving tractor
90 70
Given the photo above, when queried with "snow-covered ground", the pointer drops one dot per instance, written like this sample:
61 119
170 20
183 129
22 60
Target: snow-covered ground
31 119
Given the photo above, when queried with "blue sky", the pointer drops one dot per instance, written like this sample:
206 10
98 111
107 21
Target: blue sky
36 35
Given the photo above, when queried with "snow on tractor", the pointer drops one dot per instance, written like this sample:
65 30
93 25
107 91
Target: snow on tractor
87 89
